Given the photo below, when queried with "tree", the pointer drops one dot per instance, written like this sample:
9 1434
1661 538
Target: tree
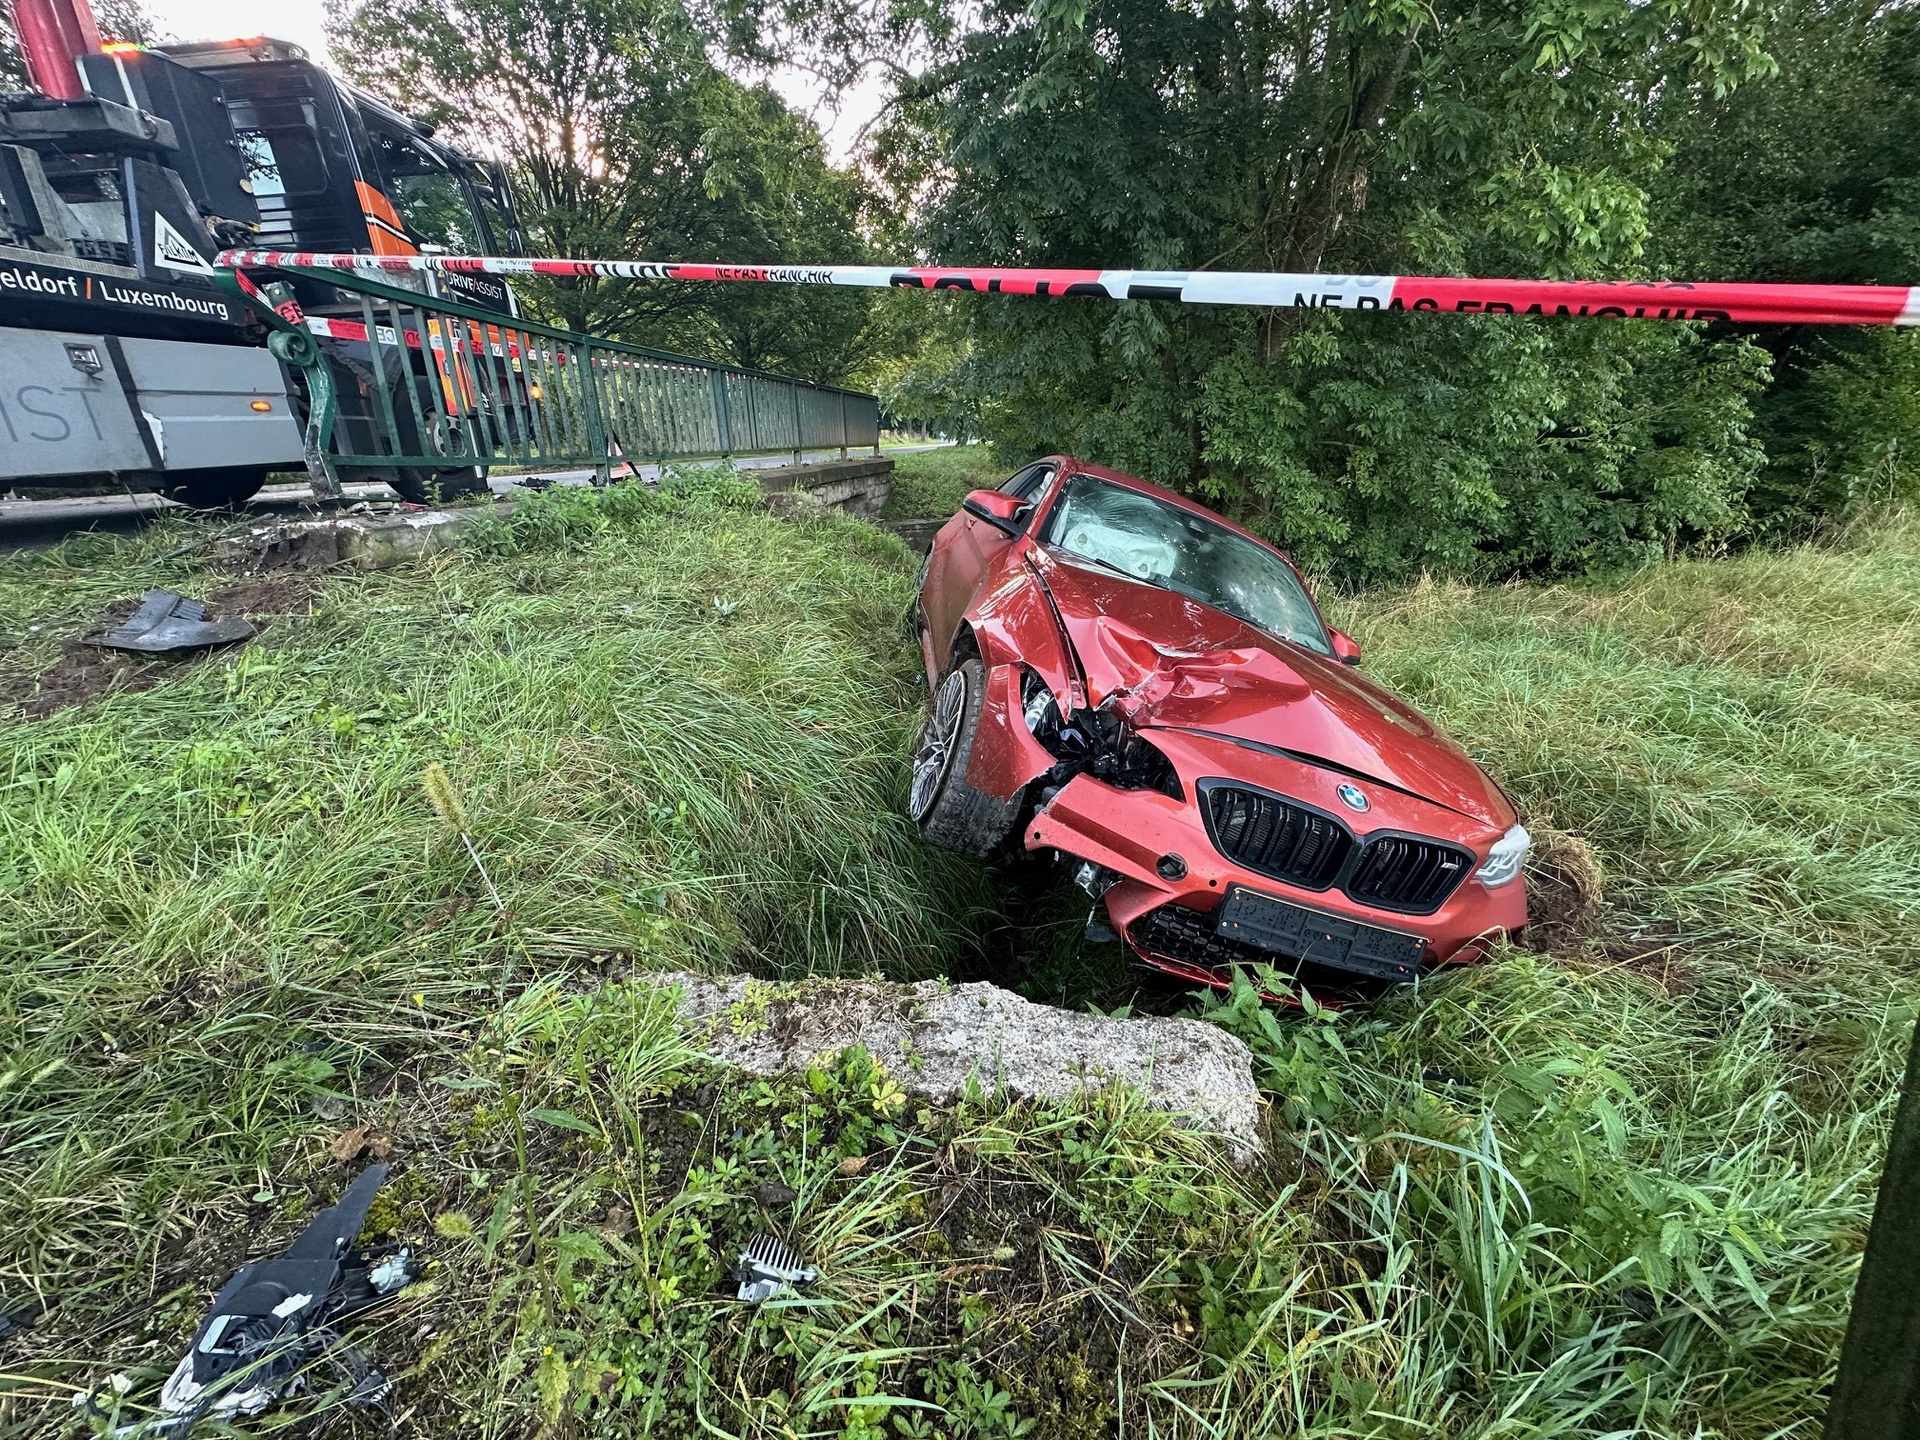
626 142
1809 175
1386 137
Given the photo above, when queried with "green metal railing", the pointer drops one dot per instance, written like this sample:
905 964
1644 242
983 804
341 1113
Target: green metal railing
415 387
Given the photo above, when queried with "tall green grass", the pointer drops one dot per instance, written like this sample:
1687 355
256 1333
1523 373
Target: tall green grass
1736 737
933 482
675 726
1615 1188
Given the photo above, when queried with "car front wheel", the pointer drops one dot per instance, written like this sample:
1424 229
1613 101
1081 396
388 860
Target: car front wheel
949 811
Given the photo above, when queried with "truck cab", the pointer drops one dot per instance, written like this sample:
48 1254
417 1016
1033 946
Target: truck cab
330 168
124 174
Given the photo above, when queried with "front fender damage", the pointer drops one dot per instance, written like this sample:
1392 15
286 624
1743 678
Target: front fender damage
1006 758
1037 722
1130 834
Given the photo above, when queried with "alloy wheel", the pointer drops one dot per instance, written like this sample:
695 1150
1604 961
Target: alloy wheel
935 751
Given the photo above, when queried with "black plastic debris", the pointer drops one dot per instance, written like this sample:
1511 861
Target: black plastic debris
166 621
768 1267
277 1320
15 1318
1098 932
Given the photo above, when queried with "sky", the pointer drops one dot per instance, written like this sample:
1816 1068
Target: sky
303 22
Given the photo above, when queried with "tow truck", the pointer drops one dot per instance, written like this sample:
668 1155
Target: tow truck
123 173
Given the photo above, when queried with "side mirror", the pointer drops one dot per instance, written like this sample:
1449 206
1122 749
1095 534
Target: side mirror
1006 513
1345 648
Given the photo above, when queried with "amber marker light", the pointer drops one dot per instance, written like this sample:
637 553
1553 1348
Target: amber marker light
263 406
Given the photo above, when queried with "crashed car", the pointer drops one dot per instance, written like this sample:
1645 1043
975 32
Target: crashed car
1150 692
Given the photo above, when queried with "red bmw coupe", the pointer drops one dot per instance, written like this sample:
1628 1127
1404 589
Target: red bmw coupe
1150 691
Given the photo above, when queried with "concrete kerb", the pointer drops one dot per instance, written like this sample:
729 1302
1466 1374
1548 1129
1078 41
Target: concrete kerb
364 542
936 1039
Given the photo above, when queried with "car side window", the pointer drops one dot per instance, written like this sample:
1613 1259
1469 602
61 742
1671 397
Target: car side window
1027 483
1037 496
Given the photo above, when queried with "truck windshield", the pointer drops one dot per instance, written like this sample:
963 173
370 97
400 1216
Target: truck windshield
1175 549
430 198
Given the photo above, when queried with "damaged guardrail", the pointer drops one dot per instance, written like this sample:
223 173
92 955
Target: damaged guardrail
427 393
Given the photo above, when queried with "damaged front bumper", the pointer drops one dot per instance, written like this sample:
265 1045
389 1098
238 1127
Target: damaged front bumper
1184 907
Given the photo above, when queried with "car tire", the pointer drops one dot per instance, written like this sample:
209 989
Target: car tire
949 811
214 489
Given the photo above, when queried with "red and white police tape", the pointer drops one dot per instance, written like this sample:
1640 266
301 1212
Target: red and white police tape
1745 303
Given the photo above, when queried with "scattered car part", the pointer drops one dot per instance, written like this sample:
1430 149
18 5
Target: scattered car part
767 1267
166 621
15 1318
274 1318
1128 680
1097 931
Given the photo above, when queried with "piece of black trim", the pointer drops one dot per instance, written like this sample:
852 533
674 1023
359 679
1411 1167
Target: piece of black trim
117 357
1317 936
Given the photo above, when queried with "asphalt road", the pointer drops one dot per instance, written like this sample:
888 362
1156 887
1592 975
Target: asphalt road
42 524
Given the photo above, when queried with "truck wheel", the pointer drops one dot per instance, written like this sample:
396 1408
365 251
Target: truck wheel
432 487
949 811
214 489
445 435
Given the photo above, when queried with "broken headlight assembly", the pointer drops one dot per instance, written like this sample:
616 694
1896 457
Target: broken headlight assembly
1095 741
1506 857
276 1321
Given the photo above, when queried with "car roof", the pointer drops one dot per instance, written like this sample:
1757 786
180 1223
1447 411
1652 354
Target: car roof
1071 466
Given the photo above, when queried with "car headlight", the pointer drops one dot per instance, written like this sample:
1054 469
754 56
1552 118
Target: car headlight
1509 853
1039 708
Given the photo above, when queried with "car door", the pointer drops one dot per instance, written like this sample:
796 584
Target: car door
966 548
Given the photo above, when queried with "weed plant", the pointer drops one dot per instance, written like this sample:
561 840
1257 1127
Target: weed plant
1612 1185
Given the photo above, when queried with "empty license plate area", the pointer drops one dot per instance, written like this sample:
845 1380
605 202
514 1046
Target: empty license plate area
1315 936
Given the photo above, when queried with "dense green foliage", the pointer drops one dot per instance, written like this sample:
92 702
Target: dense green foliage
1529 138
1811 176
930 483
626 141
1620 1181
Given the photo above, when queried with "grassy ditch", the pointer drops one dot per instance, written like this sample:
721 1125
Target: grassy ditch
934 482
1613 1184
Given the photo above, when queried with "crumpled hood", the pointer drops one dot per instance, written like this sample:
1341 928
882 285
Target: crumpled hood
1184 665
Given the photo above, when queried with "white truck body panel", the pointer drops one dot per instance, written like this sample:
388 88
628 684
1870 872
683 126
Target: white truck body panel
80 404
57 419
198 400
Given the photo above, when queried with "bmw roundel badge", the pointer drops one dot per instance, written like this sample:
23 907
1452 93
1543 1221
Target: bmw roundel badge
1353 797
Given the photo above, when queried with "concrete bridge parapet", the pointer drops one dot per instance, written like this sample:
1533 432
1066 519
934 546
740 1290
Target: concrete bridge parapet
858 485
